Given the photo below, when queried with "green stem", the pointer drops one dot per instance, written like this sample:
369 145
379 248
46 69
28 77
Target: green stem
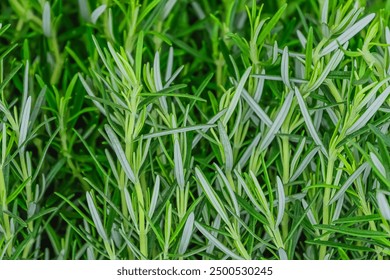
67 154
4 207
125 211
59 60
220 62
366 212
132 27
326 199
182 201
29 195
141 221
242 249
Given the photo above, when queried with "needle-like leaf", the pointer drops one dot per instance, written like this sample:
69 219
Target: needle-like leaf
116 146
347 34
309 122
95 217
46 20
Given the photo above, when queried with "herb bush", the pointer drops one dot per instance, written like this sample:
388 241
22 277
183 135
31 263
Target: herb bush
168 129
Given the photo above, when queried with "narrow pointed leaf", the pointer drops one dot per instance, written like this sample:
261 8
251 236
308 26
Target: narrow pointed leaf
187 233
177 130
383 204
349 182
305 162
378 164
179 171
284 70
96 218
309 122
97 13
277 123
120 153
46 20
217 243
212 196
237 95
367 115
24 122
347 34
281 201
227 148
256 108
156 193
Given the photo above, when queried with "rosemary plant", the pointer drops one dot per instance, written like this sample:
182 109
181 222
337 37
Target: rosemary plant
165 129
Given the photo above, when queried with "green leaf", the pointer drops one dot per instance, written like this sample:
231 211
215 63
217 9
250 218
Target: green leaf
349 182
24 124
176 131
227 148
97 13
115 144
96 218
383 204
357 219
237 94
212 196
281 201
347 34
278 122
179 170
340 245
385 138
46 20
371 110
217 243
309 122
271 24
351 231
284 69
252 211
187 233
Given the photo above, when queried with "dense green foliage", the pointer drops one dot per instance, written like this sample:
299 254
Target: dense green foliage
169 129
